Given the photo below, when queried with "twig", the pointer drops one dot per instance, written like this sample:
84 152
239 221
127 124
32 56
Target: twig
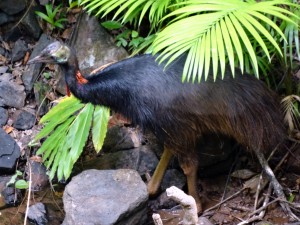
29 193
225 200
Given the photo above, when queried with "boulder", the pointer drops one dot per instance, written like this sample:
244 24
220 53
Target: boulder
9 152
106 197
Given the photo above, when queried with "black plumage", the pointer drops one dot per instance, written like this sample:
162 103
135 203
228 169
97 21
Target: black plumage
154 98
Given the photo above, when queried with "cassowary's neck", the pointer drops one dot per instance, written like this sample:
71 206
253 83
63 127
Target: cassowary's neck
99 91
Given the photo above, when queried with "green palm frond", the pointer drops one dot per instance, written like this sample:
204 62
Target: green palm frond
220 31
130 10
67 126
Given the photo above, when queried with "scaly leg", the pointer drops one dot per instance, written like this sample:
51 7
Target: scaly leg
159 172
190 168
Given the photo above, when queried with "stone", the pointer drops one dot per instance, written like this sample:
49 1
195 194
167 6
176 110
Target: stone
12 94
4 18
19 50
24 121
3 69
120 138
3 116
31 25
204 221
141 159
106 197
12 7
12 196
37 214
39 177
44 2
98 47
41 90
6 77
9 152
3 181
2 51
173 177
33 70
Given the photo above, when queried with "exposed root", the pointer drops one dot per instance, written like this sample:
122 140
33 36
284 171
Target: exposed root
156 219
276 185
188 204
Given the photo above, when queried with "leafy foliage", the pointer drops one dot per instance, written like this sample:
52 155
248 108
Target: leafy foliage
51 15
128 38
20 183
67 126
211 33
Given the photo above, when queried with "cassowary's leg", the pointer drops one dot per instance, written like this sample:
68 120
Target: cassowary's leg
159 172
276 185
190 168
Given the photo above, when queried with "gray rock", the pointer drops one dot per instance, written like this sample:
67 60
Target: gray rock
4 18
3 181
173 177
37 214
44 2
33 70
204 221
120 138
12 196
41 90
141 159
9 152
106 197
31 25
3 116
24 121
98 47
12 94
12 7
6 77
18 50
2 51
3 69
39 177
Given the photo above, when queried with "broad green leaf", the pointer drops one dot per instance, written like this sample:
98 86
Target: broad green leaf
112 25
21 184
45 17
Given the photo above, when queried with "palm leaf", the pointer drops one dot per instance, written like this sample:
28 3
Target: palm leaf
100 122
242 21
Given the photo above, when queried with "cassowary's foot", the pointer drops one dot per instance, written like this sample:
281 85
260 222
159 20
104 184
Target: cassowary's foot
190 171
276 185
159 172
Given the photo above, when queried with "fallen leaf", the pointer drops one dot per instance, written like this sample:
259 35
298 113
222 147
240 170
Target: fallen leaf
26 58
243 174
8 129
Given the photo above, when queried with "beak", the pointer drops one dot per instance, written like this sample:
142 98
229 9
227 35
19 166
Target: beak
38 59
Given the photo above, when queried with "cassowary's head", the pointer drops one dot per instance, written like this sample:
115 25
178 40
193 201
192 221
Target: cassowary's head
56 52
